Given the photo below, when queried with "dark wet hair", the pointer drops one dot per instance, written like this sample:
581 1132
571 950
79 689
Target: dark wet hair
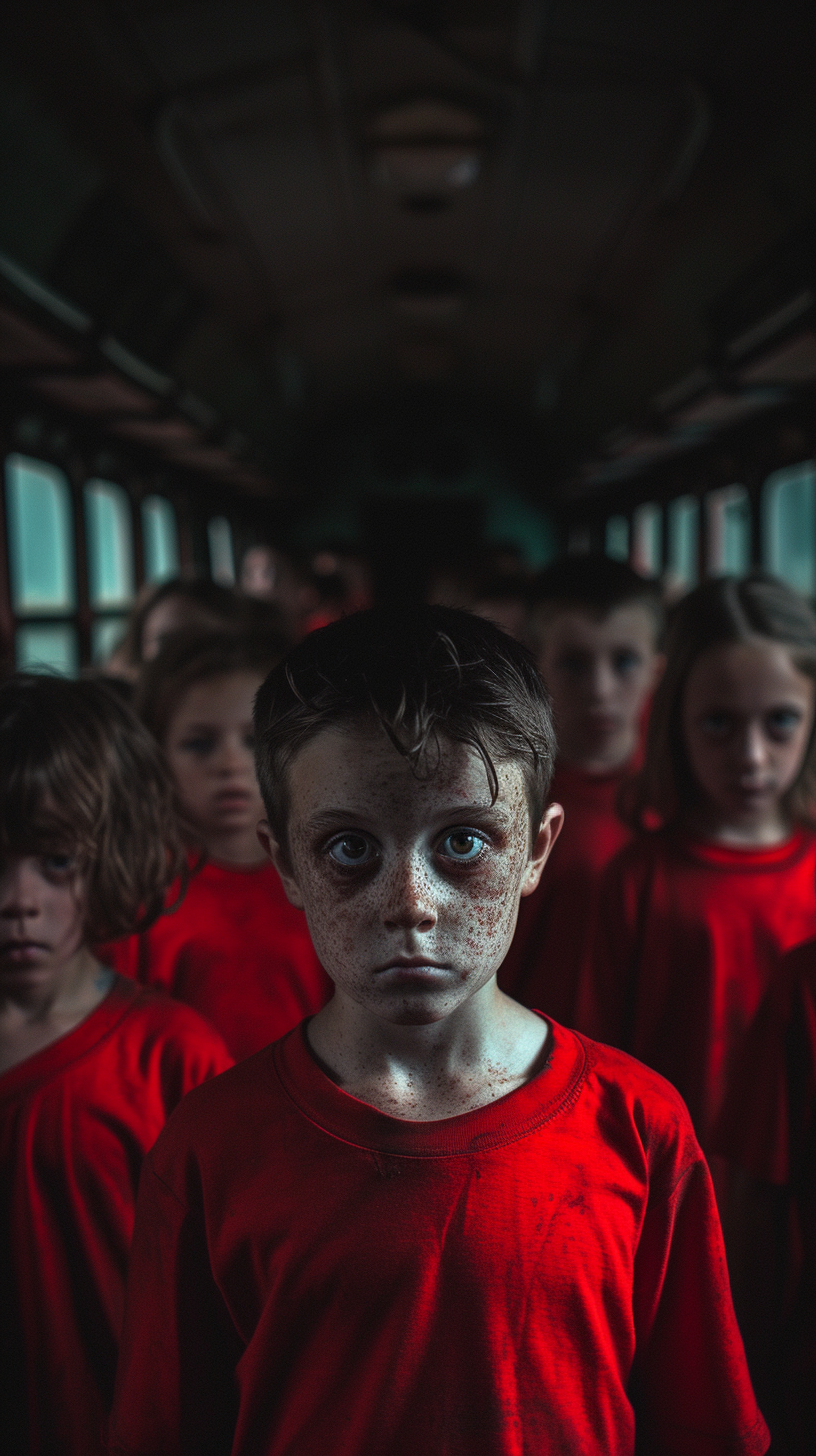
424 675
721 611
195 655
595 584
79 771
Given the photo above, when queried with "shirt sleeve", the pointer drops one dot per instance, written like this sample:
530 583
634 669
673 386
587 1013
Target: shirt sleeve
691 1388
176 1391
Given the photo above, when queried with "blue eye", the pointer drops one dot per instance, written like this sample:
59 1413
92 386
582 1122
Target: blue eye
783 721
462 845
352 851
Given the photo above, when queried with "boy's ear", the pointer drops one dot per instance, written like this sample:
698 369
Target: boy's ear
548 831
280 860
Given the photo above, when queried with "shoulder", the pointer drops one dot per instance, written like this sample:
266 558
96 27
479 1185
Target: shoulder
155 1019
636 1102
218 1120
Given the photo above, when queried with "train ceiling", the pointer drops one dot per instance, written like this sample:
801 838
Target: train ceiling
580 232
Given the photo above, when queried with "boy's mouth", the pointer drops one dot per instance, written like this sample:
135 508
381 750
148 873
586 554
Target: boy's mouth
412 963
21 951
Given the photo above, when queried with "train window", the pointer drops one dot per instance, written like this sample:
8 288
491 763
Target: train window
789 525
41 537
222 556
683 544
647 539
160 536
110 545
47 647
617 538
728 531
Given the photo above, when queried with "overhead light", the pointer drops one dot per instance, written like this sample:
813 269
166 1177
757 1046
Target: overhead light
426 148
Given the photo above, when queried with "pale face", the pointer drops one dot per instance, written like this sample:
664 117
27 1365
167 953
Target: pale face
42 913
260 572
411 886
600 673
747 717
209 746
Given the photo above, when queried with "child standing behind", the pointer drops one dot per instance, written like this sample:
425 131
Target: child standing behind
596 627
234 948
90 1066
694 916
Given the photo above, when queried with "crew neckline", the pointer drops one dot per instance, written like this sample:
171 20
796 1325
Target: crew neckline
81 1039
745 857
504 1121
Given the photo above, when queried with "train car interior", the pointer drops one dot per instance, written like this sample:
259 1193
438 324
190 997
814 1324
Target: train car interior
308 306
417 284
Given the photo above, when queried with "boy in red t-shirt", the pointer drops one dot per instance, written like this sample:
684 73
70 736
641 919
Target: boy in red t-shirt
428 1219
90 1065
596 628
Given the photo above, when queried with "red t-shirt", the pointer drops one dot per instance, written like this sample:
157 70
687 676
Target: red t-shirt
546 962
689 936
311 1275
234 949
76 1120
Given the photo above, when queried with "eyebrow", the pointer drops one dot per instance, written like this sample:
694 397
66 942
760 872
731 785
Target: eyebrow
337 818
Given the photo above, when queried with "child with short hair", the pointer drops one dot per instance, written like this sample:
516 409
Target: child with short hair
90 1065
234 948
695 915
428 1219
595 628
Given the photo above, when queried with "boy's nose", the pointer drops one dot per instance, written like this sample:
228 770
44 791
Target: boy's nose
18 898
409 904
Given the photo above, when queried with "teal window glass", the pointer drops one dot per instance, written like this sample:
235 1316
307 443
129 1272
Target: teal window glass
683 544
41 537
110 544
222 556
106 634
51 647
647 539
617 538
789 526
160 537
728 521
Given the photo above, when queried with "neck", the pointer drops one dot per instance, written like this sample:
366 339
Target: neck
749 832
69 995
598 765
483 1050
238 847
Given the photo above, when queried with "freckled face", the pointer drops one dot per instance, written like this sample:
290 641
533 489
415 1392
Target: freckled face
410 886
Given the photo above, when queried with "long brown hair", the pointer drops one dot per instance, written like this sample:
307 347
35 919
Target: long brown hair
78 771
721 611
